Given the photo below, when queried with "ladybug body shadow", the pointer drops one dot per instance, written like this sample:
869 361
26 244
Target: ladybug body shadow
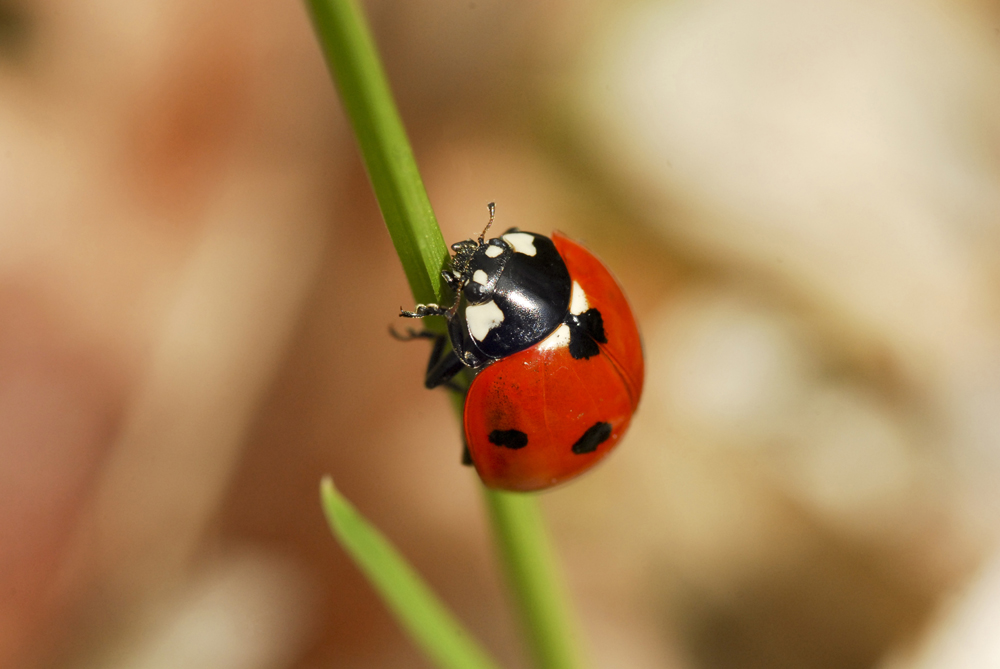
555 351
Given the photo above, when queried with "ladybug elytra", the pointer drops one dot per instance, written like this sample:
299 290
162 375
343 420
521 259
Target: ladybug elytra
555 351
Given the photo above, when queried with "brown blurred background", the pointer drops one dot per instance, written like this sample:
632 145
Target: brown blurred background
801 199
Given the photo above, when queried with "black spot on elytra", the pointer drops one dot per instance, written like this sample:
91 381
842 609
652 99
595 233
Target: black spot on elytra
514 439
585 331
595 435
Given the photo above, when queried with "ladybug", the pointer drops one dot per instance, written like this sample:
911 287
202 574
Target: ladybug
554 349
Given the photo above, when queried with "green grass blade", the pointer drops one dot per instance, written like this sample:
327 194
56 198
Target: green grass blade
364 90
421 613
521 541
531 570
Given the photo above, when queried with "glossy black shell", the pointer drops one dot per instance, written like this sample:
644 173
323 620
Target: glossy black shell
531 291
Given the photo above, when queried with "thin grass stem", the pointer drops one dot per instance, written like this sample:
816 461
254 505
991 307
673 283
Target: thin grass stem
518 527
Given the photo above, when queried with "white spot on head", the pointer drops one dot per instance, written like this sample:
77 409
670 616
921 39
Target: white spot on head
522 242
480 277
558 339
493 251
578 300
482 318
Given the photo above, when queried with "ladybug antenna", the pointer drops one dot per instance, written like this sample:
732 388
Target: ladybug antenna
482 235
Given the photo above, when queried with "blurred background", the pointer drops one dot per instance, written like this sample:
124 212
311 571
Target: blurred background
801 199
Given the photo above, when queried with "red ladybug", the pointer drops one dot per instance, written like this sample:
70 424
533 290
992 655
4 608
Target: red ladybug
555 351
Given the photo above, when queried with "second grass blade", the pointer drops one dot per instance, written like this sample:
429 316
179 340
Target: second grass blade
416 607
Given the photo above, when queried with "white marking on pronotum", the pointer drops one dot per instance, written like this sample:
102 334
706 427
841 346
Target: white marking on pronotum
482 318
480 277
558 339
493 251
578 300
522 242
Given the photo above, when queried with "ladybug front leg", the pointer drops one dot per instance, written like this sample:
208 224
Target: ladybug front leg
422 310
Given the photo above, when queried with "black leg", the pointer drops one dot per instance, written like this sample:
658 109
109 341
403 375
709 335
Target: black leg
412 334
442 367
466 456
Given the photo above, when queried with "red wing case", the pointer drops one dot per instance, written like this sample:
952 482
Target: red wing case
544 416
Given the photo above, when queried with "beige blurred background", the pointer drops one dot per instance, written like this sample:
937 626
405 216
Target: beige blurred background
801 199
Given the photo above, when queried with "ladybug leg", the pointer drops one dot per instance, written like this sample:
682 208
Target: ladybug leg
412 334
443 367
466 455
424 310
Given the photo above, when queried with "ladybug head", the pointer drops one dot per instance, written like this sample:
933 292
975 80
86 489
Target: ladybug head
458 274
